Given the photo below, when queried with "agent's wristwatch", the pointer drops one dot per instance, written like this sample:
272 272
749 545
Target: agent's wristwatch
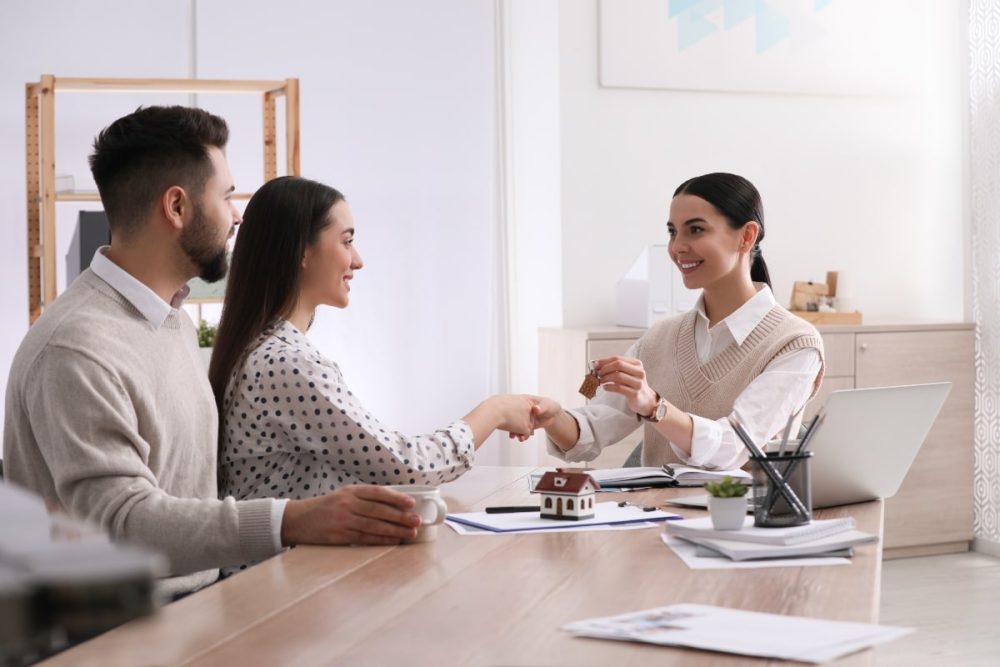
659 412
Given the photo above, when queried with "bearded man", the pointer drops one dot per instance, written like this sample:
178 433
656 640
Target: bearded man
109 413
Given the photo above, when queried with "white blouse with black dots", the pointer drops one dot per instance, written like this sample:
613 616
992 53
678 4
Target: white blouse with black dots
293 429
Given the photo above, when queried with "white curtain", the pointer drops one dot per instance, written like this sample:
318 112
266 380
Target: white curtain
984 94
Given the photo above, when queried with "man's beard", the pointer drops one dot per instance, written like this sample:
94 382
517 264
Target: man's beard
199 244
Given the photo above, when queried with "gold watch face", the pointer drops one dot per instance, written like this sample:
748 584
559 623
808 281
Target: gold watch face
661 410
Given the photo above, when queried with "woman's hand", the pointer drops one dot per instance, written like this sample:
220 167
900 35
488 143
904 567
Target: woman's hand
626 376
514 414
544 412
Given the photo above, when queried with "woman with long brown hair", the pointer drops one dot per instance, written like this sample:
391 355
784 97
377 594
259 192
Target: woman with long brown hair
290 426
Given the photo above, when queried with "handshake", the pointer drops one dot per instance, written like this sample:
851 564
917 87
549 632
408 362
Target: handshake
521 414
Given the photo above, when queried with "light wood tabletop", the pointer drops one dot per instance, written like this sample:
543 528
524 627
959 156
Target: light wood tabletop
478 600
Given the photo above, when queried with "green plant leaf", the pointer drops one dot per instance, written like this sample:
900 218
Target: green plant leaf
727 488
206 334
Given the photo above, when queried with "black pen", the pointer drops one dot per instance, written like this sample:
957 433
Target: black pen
510 509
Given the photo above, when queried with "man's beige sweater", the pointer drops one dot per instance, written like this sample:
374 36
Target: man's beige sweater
113 420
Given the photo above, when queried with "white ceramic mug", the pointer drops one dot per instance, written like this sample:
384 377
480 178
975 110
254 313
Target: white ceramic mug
430 506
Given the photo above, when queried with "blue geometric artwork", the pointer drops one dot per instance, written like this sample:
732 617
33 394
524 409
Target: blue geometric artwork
694 23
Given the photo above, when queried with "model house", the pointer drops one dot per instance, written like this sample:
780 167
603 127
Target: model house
566 495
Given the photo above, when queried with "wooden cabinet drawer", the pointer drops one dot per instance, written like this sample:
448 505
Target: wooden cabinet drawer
934 503
599 349
838 354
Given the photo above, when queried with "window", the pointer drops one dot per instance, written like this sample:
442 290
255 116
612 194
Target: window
548 503
569 504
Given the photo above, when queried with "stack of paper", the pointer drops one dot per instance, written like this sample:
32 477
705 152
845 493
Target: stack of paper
816 538
667 475
740 632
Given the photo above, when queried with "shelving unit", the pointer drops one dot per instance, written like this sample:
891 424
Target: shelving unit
40 131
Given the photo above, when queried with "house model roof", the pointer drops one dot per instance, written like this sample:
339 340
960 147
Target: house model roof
563 481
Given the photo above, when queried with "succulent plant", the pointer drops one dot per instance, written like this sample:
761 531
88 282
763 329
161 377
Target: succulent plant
727 488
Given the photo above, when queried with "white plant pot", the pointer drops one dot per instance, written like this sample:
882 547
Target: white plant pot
727 513
206 355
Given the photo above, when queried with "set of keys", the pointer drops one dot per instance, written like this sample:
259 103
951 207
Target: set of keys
591 382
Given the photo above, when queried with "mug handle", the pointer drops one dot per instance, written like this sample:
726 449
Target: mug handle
442 510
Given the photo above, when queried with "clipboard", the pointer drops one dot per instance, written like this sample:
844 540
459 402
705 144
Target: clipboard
605 514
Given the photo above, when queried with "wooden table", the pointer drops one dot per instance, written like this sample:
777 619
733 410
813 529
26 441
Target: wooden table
477 600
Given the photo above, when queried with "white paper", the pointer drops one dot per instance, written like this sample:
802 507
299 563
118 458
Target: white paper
739 632
604 513
687 552
462 529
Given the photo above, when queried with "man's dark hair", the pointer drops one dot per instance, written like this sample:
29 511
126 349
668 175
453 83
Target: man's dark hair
139 156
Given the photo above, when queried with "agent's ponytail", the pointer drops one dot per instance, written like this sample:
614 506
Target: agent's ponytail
758 269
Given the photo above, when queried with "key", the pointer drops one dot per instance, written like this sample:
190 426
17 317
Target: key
590 383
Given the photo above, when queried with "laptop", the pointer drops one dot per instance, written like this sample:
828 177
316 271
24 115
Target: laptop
866 444
868 440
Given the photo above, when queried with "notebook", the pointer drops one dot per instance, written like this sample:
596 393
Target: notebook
813 530
741 550
666 475
707 552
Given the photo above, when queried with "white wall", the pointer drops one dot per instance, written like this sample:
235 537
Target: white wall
69 38
397 112
874 188
530 116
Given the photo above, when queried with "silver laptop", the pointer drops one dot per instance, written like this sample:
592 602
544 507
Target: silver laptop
868 440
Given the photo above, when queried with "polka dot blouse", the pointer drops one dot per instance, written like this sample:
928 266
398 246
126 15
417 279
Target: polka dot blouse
293 429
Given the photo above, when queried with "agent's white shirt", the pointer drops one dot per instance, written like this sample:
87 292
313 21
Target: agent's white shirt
763 407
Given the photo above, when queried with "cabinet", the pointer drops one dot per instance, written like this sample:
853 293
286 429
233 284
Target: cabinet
933 510
40 131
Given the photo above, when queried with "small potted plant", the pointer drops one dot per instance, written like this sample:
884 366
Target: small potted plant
206 339
727 503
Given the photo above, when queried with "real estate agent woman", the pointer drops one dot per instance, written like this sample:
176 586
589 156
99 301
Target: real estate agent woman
736 353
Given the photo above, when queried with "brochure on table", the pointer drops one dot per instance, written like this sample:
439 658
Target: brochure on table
739 632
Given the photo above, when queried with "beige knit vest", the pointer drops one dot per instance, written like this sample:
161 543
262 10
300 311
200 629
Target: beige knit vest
668 353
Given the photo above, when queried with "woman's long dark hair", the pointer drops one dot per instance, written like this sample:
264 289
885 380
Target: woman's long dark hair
737 199
281 220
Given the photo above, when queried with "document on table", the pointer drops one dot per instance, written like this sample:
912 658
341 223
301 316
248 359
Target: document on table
687 552
463 529
607 513
739 632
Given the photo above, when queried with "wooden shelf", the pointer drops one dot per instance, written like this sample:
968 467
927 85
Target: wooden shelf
87 85
85 196
820 317
40 132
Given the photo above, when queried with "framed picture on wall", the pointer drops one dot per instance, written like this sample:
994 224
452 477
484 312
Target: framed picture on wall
826 47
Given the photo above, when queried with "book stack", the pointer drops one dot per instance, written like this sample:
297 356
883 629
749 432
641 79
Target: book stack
828 537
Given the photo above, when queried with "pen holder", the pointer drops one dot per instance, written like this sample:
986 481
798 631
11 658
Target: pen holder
788 503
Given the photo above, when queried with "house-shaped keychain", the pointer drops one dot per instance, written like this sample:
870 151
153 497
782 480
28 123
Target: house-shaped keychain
567 495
